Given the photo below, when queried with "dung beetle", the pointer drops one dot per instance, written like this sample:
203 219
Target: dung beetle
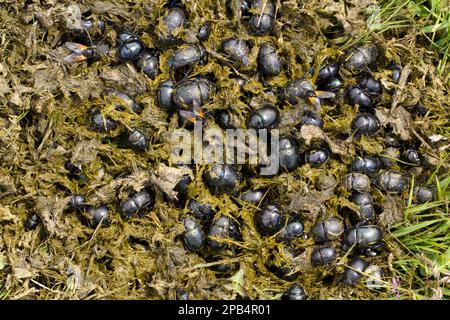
203 211
361 57
222 178
165 94
262 20
32 222
130 47
135 203
370 85
237 50
392 181
374 277
396 72
194 238
174 19
181 294
366 164
286 269
327 73
77 202
311 118
354 271
188 55
335 84
292 230
316 157
204 32
190 93
356 181
253 196
99 215
224 120
364 201
137 140
420 110
389 156
225 269
101 123
267 117
223 228
328 229
288 154
357 96
269 62
89 29
295 292
391 140
75 172
126 102
149 65
424 194
323 255
366 123
412 157
365 238
269 220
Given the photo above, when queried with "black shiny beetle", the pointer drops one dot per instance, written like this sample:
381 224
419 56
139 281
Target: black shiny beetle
253 196
269 220
328 229
316 157
130 47
367 164
293 230
203 211
392 181
194 238
295 292
188 56
222 178
32 222
267 117
288 154
77 202
361 57
364 201
174 19
366 123
222 228
354 270
356 181
100 123
327 73
366 238
323 255
237 50
137 140
99 215
75 172
135 203
148 63
269 62
262 20
192 93
311 118
165 94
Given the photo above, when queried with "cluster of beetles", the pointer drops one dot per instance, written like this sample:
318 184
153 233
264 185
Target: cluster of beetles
213 235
